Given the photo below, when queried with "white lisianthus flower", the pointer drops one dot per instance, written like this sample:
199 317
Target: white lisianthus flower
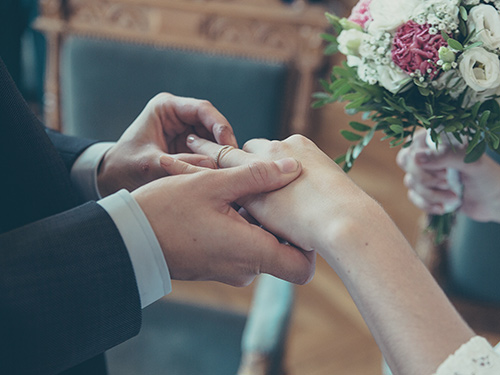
388 15
486 21
480 69
391 78
350 41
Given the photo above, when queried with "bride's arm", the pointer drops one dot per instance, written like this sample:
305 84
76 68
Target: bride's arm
414 324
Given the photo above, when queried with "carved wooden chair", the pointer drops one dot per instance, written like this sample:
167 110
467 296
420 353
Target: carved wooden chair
255 60
268 30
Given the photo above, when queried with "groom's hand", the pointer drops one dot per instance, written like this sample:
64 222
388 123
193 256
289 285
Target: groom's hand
161 128
204 238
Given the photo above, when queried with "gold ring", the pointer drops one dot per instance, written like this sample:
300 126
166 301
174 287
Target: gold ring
223 151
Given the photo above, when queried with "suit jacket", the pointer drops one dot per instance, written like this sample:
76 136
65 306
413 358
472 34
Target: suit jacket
67 286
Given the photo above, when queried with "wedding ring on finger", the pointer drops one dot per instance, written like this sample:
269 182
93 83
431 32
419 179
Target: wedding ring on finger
222 152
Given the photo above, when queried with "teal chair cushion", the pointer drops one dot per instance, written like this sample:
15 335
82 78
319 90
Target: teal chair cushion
105 84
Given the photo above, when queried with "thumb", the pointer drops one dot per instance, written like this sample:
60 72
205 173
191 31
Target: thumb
432 160
259 177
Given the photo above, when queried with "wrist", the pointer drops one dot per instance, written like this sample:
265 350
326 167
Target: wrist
365 229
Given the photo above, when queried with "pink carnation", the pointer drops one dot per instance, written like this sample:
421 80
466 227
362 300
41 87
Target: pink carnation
414 48
361 13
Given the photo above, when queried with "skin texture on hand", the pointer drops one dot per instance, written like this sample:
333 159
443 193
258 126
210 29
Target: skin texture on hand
429 190
413 322
204 238
161 128
325 178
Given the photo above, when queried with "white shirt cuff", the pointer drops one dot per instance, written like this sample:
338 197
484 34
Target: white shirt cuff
84 170
150 267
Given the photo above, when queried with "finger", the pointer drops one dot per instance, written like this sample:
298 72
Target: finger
436 180
234 157
180 111
196 160
258 177
425 198
432 160
175 166
283 261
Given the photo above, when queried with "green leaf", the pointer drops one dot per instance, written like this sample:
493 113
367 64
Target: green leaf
455 44
484 119
329 37
341 91
368 137
474 154
357 150
473 45
475 109
359 126
474 142
463 13
331 49
356 103
495 140
397 129
350 136
340 159
321 95
397 142
424 91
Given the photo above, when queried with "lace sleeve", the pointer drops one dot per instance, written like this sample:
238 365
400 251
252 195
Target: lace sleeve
476 357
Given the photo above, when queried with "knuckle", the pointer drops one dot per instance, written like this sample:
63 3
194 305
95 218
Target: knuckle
298 139
259 173
248 144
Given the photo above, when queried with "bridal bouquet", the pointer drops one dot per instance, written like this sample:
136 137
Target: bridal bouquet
418 63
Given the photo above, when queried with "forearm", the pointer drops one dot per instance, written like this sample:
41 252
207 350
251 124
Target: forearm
414 324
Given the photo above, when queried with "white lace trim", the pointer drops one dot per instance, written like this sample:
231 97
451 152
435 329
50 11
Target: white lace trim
476 357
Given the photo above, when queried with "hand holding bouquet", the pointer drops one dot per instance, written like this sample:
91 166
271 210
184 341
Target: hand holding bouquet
419 63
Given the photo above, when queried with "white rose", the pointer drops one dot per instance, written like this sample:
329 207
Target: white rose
388 15
392 79
486 21
350 41
480 69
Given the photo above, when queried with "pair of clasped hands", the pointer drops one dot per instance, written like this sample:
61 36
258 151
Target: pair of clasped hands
167 159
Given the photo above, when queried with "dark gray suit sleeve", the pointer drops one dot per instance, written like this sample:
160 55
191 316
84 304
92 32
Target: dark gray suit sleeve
67 292
69 147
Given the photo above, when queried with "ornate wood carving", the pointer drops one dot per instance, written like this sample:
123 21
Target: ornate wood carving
264 29
249 32
123 16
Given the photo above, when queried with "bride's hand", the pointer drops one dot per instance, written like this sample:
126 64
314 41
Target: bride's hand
307 209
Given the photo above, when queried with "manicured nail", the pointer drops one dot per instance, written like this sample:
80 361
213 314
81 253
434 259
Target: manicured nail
191 138
287 165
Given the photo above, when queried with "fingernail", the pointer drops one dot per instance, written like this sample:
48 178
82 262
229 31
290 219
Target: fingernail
166 160
191 138
287 165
